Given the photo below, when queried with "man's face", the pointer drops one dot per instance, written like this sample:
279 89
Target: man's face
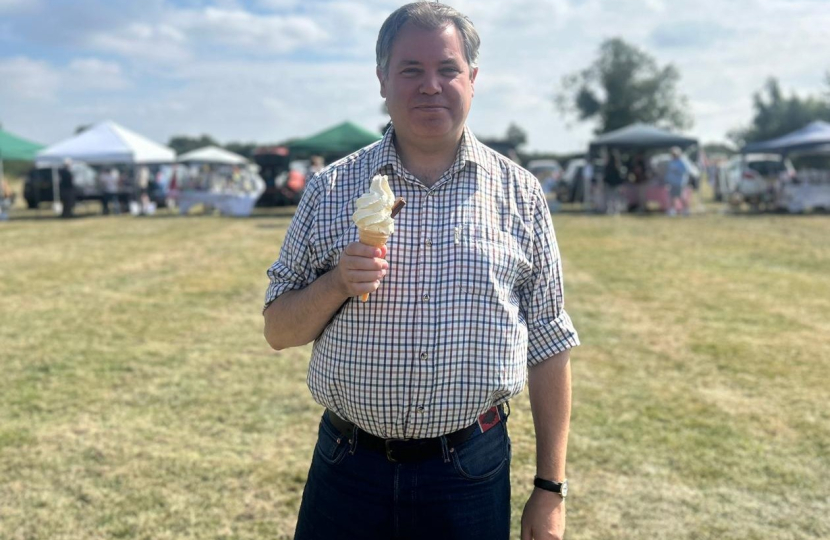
429 86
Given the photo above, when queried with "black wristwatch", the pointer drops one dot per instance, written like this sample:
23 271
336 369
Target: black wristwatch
556 487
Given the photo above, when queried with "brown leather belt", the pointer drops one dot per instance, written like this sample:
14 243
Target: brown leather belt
414 450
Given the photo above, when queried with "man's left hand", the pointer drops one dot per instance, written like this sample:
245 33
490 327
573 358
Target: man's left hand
544 516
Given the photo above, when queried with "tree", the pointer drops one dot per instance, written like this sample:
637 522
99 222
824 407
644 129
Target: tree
777 115
624 85
516 135
243 149
183 143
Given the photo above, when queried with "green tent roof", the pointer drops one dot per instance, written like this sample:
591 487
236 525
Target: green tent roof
13 147
341 139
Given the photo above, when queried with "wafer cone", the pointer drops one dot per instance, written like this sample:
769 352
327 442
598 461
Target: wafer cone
371 238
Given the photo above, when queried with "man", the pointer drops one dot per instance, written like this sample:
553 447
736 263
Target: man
466 299
677 178
588 183
66 189
638 173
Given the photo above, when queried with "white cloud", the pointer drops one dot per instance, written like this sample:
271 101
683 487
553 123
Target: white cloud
260 34
18 6
95 74
160 43
28 81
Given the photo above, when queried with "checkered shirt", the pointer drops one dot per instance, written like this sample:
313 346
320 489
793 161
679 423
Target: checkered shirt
473 294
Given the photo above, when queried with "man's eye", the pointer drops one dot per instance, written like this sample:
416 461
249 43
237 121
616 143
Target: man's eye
451 71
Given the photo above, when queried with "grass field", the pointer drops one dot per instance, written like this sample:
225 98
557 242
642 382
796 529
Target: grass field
138 399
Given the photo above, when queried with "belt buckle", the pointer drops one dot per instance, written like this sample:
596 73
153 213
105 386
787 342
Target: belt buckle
389 450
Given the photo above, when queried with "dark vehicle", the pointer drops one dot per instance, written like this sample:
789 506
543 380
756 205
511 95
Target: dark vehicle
273 164
39 185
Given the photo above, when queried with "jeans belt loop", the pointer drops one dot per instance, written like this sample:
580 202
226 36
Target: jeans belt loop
353 440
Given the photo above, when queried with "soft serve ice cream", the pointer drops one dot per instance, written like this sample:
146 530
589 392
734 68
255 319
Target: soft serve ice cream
373 210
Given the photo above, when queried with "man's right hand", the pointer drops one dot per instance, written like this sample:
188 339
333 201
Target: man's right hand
361 268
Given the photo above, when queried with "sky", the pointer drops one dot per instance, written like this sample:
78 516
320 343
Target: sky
267 70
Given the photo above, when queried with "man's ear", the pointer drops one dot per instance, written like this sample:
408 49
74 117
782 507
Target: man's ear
382 81
473 74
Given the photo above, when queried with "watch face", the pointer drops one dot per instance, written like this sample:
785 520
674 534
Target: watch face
564 489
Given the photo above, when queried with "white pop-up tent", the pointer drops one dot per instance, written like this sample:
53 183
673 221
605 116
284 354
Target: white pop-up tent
107 143
214 186
212 154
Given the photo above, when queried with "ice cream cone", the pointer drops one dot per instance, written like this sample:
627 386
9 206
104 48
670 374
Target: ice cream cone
375 239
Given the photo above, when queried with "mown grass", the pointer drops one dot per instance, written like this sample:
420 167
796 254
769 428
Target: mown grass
138 399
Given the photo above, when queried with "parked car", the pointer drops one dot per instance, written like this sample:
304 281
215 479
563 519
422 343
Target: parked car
752 179
39 188
548 172
571 187
545 168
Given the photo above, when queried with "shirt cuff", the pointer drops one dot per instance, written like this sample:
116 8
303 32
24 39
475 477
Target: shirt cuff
552 338
276 288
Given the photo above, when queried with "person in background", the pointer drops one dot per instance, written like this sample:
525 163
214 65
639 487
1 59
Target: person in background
677 178
612 182
109 186
173 187
143 184
66 185
639 174
588 183
7 197
316 166
415 381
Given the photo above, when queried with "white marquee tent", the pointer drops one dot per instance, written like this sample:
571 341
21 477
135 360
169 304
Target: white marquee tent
212 154
107 143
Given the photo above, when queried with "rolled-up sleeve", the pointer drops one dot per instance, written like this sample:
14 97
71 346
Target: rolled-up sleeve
294 267
550 329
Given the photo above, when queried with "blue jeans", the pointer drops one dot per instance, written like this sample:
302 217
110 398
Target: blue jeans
355 493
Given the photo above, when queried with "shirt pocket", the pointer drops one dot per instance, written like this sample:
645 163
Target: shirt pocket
487 261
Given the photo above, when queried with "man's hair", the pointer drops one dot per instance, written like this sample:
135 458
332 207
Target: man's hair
428 16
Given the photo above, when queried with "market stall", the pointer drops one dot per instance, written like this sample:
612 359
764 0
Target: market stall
637 140
110 144
216 178
808 188
12 148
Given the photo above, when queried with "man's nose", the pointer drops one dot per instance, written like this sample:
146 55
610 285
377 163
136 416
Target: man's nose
431 84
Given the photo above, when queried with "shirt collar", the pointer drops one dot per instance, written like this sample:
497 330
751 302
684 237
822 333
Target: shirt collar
385 159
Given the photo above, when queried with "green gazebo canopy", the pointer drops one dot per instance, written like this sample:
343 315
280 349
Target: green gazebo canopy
13 147
342 139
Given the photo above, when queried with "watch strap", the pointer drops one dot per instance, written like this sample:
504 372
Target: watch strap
548 485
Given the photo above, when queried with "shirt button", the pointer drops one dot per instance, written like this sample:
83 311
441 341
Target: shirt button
426 297
419 409
428 242
424 356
